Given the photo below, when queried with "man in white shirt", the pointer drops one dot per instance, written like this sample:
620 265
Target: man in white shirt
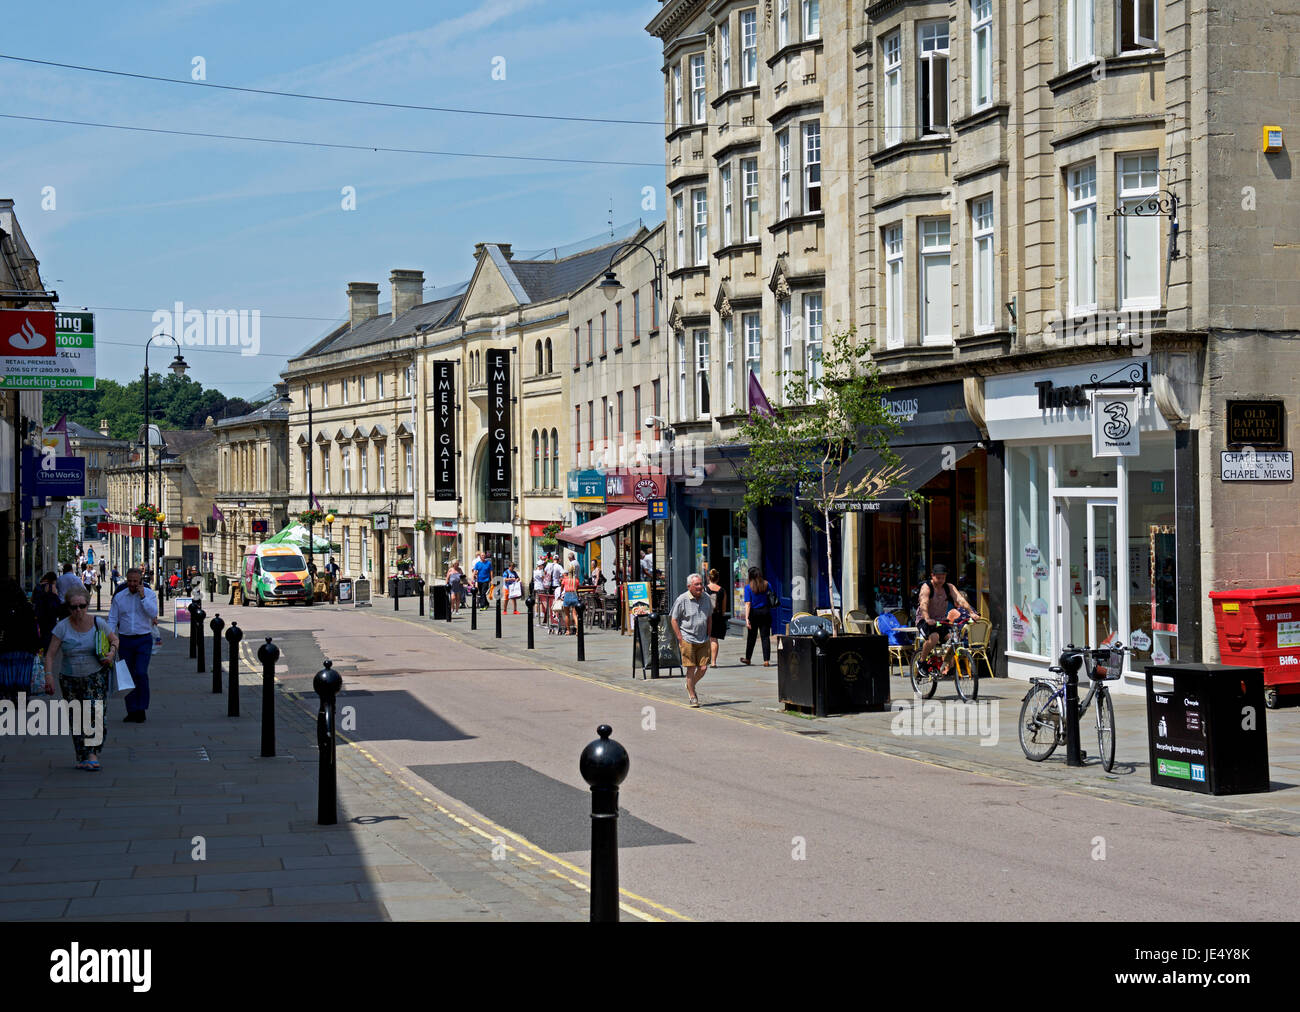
68 581
133 615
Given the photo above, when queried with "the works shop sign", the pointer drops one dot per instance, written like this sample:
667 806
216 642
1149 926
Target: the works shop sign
498 364
444 431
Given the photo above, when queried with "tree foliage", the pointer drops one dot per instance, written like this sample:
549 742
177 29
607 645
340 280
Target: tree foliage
175 402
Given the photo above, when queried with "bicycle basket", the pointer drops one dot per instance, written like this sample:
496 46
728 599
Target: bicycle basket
1109 665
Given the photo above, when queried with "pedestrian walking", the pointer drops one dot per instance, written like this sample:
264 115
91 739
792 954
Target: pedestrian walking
513 588
718 620
85 668
116 579
455 585
541 589
68 581
758 616
131 618
482 578
690 620
19 640
569 588
48 609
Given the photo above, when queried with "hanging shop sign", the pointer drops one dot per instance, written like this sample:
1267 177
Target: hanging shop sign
1256 423
45 350
586 486
444 431
499 477
1256 465
635 489
1115 423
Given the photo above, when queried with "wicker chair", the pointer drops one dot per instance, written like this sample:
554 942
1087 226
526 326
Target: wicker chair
978 633
857 621
898 653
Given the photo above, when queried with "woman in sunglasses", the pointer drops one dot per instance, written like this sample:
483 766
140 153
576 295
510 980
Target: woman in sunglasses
84 669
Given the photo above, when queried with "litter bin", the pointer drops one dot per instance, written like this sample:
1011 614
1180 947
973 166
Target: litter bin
345 590
223 585
440 602
1260 628
853 672
1208 734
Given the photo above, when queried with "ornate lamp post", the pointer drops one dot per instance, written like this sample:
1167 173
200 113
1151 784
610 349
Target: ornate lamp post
178 366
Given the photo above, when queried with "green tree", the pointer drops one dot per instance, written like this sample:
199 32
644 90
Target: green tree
800 451
69 535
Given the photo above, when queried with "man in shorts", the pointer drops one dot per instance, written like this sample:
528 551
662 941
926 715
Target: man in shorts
690 618
937 598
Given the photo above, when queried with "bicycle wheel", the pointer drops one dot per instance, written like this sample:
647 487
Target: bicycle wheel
1040 719
924 680
1105 729
965 674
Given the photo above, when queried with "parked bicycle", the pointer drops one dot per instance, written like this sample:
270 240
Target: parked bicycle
952 658
1042 714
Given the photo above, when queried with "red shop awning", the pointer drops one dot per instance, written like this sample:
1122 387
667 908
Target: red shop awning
602 526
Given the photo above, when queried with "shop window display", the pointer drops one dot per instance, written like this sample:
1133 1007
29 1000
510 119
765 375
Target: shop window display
1029 550
1153 582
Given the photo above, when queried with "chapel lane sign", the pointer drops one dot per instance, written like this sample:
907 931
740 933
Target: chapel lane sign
1256 465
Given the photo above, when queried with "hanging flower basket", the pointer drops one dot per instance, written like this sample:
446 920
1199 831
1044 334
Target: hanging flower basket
311 517
146 512
162 534
548 539
403 549
423 525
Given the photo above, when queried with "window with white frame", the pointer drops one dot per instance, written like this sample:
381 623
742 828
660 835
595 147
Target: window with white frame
702 372
725 180
700 217
782 23
812 314
812 167
361 388
894 286
1138 25
1138 240
753 348
981 53
408 380
681 375
344 385
324 394
892 107
325 466
749 198
381 471
677 96
729 363
812 19
783 173
680 216
724 56
932 75
537 460
1079 33
555 458
786 328
936 280
1082 182
379 385
749 47
981 215
365 550
347 549
409 454
363 458
698 94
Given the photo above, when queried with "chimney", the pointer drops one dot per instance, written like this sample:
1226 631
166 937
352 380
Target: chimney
408 290
363 302
103 427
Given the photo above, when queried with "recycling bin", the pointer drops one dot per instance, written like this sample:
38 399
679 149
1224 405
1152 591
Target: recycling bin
1260 628
1208 733
345 590
440 602
223 585
851 672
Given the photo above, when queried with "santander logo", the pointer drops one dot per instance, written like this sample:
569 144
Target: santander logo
27 338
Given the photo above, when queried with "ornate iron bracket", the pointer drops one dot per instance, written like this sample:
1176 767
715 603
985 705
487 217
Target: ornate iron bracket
1137 379
1159 205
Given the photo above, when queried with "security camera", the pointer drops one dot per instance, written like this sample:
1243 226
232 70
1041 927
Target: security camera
652 420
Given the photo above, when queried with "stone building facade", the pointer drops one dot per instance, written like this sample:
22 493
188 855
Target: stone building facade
252 482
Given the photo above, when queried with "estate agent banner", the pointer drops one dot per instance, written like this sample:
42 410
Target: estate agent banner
499 476
45 350
444 431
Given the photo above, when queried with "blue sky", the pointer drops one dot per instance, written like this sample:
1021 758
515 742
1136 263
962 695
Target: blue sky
142 221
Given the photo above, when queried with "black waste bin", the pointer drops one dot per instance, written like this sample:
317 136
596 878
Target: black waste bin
1208 733
853 671
440 603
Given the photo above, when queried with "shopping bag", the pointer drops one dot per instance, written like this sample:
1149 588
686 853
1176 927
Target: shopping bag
122 680
516 590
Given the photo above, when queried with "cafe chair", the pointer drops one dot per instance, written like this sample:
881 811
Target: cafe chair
834 616
978 633
899 653
857 621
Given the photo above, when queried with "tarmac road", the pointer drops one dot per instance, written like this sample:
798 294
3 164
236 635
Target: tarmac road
727 820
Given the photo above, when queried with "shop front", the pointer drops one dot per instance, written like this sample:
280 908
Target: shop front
587 498
1091 537
710 507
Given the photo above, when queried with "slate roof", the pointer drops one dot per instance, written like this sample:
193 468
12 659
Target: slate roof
273 410
439 313
544 280
183 440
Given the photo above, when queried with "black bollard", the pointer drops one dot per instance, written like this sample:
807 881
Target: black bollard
192 607
654 645
473 610
604 765
197 632
820 638
420 586
582 640
216 625
450 593
233 635
327 684
1073 755
397 593
498 600
98 606
532 615
268 653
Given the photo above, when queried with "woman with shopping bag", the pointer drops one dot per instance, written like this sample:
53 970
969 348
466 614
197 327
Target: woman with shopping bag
513 588
83 650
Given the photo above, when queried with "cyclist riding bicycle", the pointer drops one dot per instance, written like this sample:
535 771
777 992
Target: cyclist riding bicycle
937 599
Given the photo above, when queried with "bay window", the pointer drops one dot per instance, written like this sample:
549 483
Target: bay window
700 209
724 56
1137 25
1082 238
812 312
936 281
812 167
1079 34
981 48
729 363
812 19
932 73
749 47
787 343
702 372
982 263
677 96
894 286
698 96
749 198
783 171
782 23
725 186
753 348
1138 234
892 107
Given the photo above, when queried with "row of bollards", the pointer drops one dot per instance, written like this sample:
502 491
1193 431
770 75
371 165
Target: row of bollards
268 654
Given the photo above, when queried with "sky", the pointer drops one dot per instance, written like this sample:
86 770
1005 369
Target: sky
130 223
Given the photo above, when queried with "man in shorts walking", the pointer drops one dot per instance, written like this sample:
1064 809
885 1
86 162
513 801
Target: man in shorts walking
690 619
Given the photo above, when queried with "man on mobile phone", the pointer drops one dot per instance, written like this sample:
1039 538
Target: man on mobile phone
133 615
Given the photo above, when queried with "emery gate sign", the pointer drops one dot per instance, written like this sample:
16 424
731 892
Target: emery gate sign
498 365
444 431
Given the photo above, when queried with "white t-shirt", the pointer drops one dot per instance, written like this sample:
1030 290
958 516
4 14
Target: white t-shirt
556 572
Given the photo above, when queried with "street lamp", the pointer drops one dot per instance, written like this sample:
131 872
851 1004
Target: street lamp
178 367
